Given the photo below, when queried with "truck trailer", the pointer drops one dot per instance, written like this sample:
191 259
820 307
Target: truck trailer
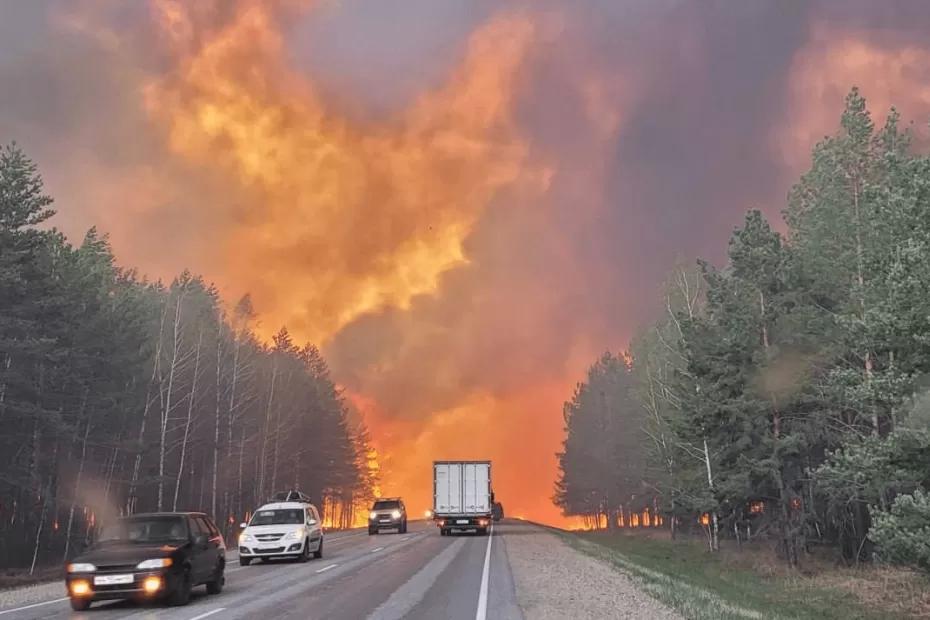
462 496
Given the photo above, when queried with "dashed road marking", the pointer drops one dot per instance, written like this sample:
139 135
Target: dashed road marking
209 613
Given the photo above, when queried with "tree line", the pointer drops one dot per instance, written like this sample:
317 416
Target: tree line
120 395
784 395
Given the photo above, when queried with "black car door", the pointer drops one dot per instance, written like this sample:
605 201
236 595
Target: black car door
203 556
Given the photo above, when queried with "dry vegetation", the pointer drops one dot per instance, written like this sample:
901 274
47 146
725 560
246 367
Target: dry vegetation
754 581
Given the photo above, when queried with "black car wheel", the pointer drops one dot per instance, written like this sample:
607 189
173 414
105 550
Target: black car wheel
403 528
182 591
372 531
305 554
80 604
215 586
319 552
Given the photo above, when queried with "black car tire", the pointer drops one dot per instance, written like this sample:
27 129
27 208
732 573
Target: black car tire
80 604
182 591
244 561
443 532
319 552
372 531
482 531
403 528
305 554
215 586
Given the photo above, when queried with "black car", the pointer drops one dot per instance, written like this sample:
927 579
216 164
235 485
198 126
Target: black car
387 513
159 556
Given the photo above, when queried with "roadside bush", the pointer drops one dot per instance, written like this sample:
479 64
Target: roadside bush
902 535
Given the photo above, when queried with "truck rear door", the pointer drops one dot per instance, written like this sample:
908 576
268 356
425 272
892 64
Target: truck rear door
477 486
448 491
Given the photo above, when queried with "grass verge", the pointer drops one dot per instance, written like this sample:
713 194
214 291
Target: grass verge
684 576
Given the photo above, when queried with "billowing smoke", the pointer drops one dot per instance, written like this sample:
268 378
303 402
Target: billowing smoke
463 204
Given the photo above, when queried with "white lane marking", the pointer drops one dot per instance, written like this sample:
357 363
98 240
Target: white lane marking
9 611
209 613
377 549
409 595
326 568
482 612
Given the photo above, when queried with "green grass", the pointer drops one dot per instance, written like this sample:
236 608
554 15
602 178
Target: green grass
684 576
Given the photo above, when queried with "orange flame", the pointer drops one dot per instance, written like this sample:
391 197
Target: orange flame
352 218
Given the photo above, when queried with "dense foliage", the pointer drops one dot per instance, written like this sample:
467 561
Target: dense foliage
783 395
121 395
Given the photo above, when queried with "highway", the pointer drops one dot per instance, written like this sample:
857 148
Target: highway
418 575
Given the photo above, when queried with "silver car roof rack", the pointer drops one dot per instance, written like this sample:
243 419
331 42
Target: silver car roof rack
291 496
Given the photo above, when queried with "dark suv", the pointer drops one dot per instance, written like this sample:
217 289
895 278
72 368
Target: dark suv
149 556
387 513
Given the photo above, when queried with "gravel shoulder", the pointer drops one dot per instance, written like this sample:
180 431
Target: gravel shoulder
555 581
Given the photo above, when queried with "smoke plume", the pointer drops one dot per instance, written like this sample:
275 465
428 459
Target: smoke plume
463 205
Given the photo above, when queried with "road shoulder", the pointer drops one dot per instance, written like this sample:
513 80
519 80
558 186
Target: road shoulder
555 581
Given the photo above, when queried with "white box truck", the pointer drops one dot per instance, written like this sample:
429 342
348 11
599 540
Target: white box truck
462 496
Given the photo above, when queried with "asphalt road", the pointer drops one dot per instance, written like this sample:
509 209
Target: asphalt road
418 575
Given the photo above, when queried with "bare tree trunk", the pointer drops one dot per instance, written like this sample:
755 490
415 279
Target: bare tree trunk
77 482
7 361
38 539
166 410
714 542
261 456
239 477
216 419
110 468
187 426
137 464
230 418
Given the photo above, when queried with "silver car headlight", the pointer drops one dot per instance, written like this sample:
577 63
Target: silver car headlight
81 567
154 563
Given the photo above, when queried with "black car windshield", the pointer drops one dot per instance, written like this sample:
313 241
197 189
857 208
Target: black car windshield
278 517
145 530
386 505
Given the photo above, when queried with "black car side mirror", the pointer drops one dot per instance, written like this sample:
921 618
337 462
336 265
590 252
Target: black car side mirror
201 540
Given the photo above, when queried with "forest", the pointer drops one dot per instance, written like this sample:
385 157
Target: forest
121 395
783 396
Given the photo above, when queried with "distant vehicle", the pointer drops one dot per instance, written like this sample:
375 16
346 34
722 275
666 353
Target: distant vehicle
159 556
497 511
387 513
462 496
288 527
